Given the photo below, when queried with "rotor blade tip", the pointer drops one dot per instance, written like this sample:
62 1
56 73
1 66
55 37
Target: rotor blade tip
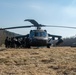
26 20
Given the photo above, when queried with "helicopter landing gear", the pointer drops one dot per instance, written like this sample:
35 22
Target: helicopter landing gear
29 46
48 46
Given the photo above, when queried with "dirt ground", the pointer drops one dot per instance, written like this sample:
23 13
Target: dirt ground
41 61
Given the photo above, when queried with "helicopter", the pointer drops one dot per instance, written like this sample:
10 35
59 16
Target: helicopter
39 37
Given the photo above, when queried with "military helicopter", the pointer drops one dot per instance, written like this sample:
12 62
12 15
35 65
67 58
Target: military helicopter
39 37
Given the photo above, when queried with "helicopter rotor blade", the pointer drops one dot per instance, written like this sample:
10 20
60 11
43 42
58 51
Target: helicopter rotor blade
34 22
17 27
39 25
59 26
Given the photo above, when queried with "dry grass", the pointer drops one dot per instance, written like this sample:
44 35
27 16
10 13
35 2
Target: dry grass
42 61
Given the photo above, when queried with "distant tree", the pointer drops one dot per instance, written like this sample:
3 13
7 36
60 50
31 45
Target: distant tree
68 41
4 34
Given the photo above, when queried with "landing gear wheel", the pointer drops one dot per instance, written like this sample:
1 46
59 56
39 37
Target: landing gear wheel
48 46
28 46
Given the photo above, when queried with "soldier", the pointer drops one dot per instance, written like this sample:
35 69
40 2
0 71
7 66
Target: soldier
23 43
17 43
9 42
27 42
6 42
12 42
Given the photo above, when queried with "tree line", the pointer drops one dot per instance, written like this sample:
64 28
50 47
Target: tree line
4 34
68 41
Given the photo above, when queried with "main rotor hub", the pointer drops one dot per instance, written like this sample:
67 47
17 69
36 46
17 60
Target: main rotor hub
38 28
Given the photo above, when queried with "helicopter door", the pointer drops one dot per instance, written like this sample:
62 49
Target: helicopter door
31 34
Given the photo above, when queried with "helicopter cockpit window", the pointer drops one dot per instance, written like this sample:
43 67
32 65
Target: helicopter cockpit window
41 34
38 34
44 34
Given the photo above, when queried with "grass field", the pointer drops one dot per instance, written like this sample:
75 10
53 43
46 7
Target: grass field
42 61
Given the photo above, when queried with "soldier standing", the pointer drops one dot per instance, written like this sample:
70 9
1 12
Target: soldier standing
27 42
6 42
12 42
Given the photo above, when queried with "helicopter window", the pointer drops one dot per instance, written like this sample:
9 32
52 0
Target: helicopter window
41 34
31 34
38 34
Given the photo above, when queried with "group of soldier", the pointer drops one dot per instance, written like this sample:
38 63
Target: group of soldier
16 42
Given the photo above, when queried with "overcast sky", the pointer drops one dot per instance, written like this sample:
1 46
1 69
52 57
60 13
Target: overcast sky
49 12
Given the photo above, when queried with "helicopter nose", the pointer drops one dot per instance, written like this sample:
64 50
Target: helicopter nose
40 42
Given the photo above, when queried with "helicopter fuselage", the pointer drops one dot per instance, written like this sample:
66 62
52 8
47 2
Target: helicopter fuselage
38 41
38 38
